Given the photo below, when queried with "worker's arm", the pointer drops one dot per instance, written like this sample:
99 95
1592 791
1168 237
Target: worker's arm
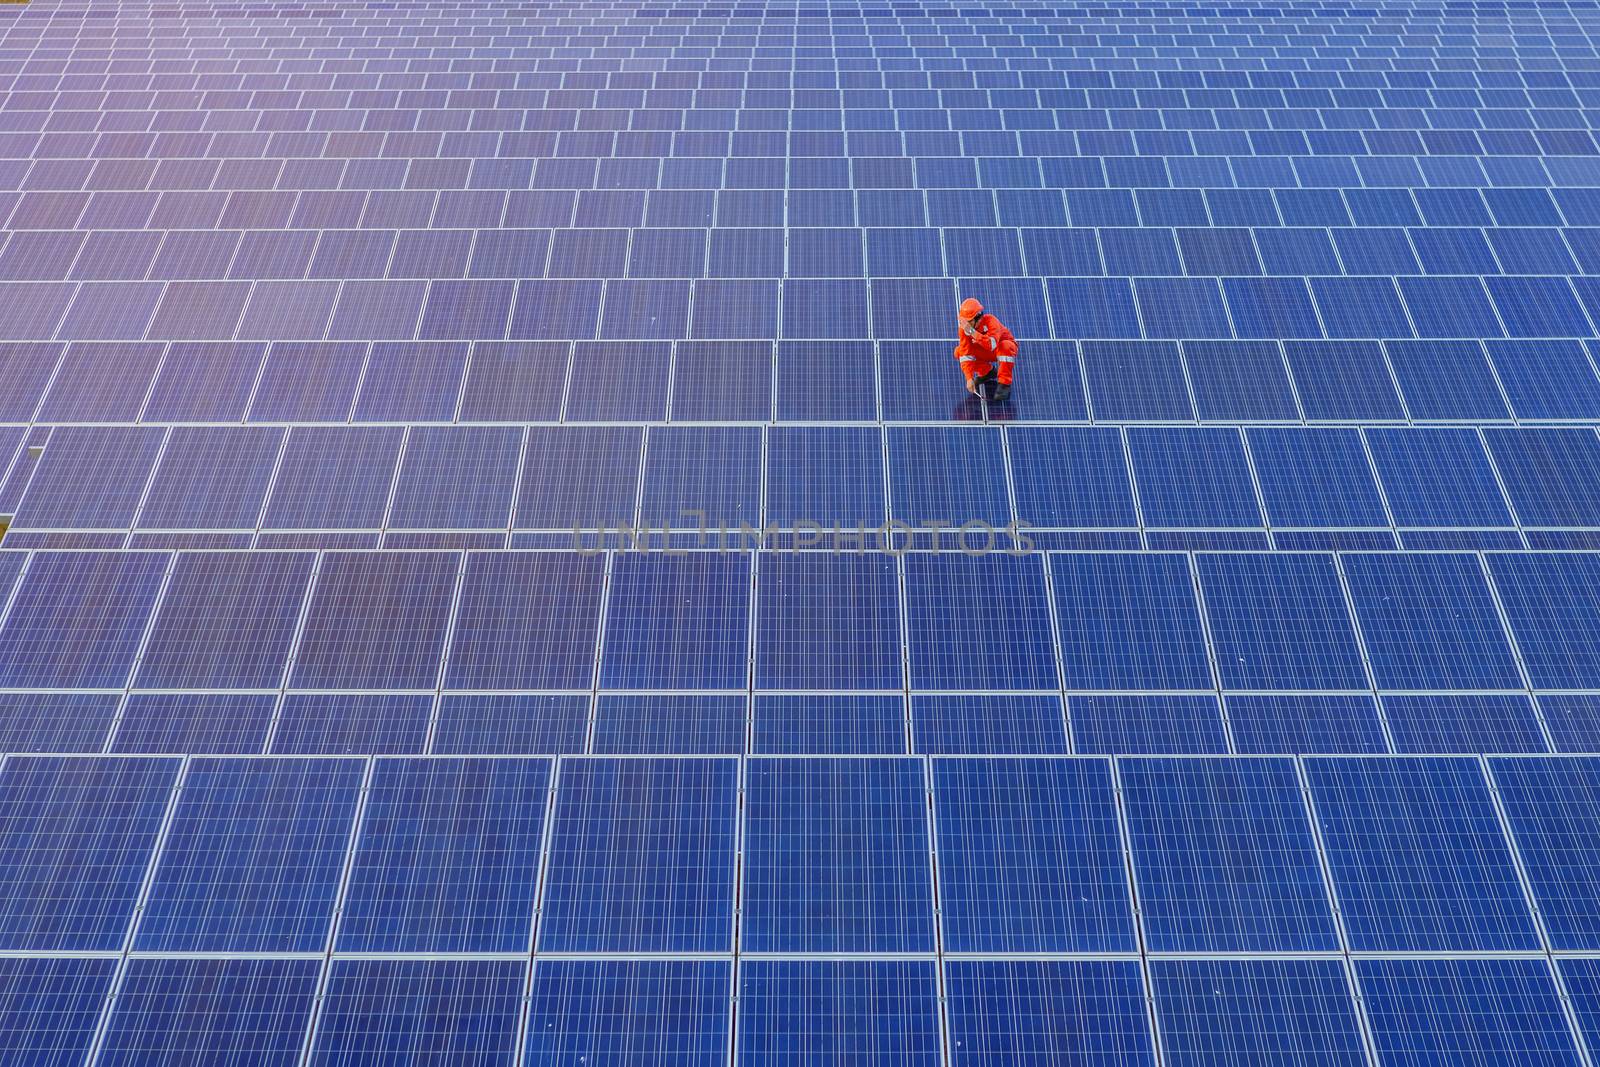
965 357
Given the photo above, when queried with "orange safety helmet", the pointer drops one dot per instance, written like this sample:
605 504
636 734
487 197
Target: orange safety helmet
970 309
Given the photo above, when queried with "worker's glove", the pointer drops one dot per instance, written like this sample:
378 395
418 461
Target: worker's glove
1000 393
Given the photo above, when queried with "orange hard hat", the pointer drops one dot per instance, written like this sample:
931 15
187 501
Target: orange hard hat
970 308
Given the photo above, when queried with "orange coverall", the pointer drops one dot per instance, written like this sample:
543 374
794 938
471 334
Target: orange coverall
991 343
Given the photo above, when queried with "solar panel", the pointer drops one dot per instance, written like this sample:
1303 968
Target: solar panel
457 477
199 1009
1280 622
226 621
1421 1010
199 723
462 1011
1087 1011
76 619
77 835
696 724
90 477
376 621
347 724
56 722
1417 856
629 1012
526 621
826 621
1270 896
274 833
1259 1011
1129 622
939 606
641 857
51 1006
845 1011
211 478
677 623
1008 880
846 837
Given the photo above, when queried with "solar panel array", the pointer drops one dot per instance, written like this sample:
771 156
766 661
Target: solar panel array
499 566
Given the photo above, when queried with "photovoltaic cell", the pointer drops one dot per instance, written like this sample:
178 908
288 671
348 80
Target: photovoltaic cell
1075 1011
197 1010
448 858
56 722
1553 809
1129 622
999 598
200 723
1547 599
457 478
253 857
376 621
350 724
51 1006
226 621
90 477
1263 1011
1417 856
845 1011
1030 857
676 622
828 622
212 478
629 1012
1269 896
76 836
1305 723
526 621
420 1011
77 618
670 723
784 725
845 837
641 857
1280 622
1422 1011
334 478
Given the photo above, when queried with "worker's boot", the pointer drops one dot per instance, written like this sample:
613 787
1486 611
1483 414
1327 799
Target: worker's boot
1001 392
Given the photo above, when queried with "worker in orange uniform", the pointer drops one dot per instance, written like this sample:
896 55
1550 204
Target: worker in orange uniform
987 352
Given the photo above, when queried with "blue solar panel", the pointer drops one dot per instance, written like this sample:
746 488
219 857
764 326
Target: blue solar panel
253 857
76 619
1009 881
212 478
457 477
677 623
333 477
669 723
1437 477
1243 1011
226 621
1000 597
1193 477
56 722
1548 601
1465 1010
850 1011
1463 722
211 1010
841 725
90 477
1430 623
1552 476
676 483
376 621
1294 723
526 621
845 837
629 1012
641 857
945 477
1317 477
1071 1011
1270 895
448 857
1553 809
1280 622
1129 622
511 724
1417 856
827 621
76 837
456 1011
988 723
1071 477
830 476
51 1007
199 723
